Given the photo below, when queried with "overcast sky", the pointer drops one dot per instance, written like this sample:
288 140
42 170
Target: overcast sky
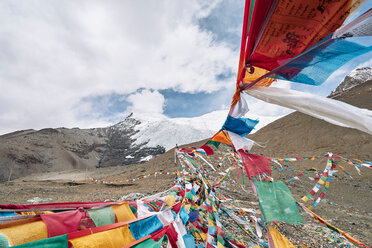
90 63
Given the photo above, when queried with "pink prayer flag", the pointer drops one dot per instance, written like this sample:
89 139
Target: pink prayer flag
63 222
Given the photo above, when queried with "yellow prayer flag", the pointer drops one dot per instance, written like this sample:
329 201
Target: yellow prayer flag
123 212
25 233
304 199
170 200
279 240
115 238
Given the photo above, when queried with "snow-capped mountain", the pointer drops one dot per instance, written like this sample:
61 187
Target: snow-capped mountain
159 130
136 139
355 77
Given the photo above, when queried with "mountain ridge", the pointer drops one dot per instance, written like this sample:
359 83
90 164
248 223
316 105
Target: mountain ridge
139 138
136 139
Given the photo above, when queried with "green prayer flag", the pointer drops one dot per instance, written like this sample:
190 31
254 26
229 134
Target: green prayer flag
54 242
150 243
102 216
4 243
190 196
277 202
220 239
215 143
133 209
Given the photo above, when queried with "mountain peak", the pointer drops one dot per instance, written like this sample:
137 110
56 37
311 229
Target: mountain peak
354 78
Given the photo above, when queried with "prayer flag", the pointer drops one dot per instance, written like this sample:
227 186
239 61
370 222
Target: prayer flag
278 240
54 242
254 164
102 216
123 212
241 126
145 227
24 233
63 222
115 238
277 202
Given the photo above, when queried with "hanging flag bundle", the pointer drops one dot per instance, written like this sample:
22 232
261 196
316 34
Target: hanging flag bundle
188 214
303 42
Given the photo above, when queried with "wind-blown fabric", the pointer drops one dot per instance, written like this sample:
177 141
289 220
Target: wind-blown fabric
241 126
278 240
63 222
59 205
254 164
295 26
54 242
218 138
330 110
317 65
6 214
240 142
277 202
21 234
208 150
4 242
239 109
145 227
256 14
123 212
150 243
115 238
361 26
102 216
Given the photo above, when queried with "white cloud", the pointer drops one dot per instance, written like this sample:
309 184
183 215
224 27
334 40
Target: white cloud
54 54
146 101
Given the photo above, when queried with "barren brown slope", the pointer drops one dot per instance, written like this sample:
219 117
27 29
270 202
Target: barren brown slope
300 134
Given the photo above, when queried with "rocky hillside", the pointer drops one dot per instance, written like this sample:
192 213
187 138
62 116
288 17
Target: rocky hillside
137 139
30 151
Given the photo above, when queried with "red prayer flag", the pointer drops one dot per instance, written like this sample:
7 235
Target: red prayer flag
254 164
172 236
63 222
208 150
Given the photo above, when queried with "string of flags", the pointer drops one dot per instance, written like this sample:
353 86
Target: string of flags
194 212
134 179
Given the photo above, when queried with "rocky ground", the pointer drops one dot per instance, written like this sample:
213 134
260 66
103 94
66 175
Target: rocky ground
347 204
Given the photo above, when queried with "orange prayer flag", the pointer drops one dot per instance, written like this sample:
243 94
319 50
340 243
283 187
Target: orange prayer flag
222 137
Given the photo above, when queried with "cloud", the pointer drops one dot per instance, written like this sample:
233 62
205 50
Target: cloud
82 62
146 101
55 55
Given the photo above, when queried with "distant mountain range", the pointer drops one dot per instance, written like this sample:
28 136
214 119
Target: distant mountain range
136 139
141 137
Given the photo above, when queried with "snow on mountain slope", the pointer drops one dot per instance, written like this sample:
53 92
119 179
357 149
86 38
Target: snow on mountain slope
168 132
355 77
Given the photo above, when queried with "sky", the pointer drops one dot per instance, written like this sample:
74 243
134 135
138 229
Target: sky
88 63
